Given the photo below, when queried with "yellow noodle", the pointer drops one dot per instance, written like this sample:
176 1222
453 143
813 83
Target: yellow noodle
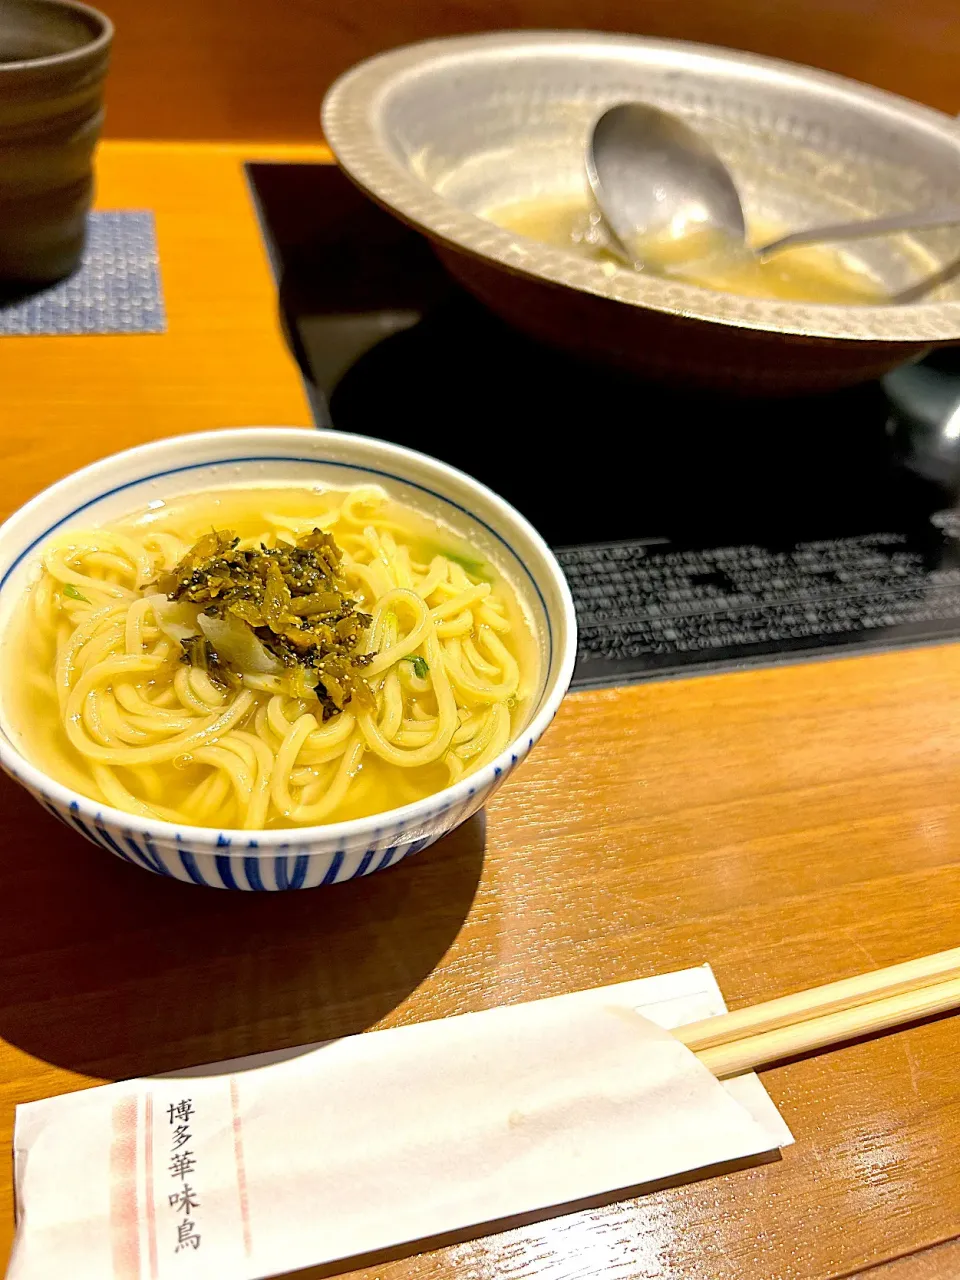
462 600
376 578
414 638
416 724
454 765
66 662
499 738
437 573
118 795
333 734
317 787
171 548
132 700
236 743
469 728
317 758
479 741
487 617
256 815
120 728
472 688
403 568
133 555
133 628
240 776
209 798
263 683
391 706
58 568
185 693
262 728
459 625
114 567
352 509
107 641
414 737
205 690
277 718
286 758
478 662
296 528
161 723
125 718
207 731
359 573
90 714
319 812
305 775
447 589
446 720
43 600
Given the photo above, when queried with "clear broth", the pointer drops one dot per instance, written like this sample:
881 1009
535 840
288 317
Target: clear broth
814 273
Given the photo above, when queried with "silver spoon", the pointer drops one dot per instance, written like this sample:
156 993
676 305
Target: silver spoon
650 172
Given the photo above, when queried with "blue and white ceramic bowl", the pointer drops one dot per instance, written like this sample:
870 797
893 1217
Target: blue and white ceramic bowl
303 857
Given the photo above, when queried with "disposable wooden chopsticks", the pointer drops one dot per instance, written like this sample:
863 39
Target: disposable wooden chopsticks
826 1015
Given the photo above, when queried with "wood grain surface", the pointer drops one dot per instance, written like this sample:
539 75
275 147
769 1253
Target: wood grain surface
789 826
939 1262
244 69
65 401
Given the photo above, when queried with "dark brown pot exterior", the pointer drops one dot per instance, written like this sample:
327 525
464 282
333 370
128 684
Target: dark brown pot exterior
53 61
673 349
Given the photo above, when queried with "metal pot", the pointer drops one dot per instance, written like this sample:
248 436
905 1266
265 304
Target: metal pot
443 131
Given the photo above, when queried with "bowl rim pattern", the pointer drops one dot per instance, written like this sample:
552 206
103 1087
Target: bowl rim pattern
268 842
351 126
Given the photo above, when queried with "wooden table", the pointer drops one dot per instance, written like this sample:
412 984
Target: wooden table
790 826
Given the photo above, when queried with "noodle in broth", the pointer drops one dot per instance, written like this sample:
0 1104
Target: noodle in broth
102 699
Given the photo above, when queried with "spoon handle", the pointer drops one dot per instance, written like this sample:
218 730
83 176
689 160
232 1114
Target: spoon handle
863 229
917 291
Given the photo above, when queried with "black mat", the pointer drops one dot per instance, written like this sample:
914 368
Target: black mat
698 532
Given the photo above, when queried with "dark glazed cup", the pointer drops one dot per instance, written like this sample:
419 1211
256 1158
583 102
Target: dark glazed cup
53 60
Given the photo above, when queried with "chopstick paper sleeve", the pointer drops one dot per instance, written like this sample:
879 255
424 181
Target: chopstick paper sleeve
366 1143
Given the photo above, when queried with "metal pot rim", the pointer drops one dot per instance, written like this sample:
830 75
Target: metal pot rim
352 125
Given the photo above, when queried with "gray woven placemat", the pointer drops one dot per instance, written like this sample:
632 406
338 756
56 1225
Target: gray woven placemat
116 289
